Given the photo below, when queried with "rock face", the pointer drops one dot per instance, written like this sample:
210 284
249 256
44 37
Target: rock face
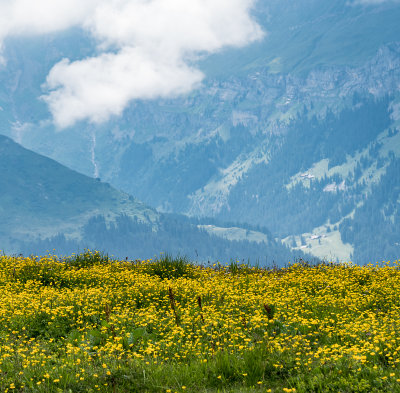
320 96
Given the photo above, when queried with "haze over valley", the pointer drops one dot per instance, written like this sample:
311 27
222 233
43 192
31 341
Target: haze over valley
267 130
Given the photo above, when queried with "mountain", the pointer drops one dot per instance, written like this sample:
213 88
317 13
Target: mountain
303 35
45 206
40 198
298 133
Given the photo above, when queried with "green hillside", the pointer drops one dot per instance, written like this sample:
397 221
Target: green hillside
45 206
37 192
296 133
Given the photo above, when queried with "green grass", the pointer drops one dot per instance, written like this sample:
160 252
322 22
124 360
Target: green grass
85 323
168 267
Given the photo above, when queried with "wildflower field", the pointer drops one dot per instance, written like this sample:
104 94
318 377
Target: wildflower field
88 323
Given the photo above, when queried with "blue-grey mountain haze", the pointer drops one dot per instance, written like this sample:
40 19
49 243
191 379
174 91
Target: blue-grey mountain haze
296 131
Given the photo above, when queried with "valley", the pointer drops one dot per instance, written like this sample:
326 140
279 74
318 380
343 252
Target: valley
296 133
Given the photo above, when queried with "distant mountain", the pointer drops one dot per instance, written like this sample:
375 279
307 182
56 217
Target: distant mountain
40 198
298 133
303 35
46 207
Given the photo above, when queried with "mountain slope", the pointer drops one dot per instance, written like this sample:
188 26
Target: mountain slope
305 34
296 132
39 194
46 206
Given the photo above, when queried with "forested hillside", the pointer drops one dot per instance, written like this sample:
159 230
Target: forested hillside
46 207
175 235
295 132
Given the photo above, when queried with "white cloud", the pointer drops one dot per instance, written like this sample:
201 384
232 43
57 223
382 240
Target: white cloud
21 17
147 48
99 87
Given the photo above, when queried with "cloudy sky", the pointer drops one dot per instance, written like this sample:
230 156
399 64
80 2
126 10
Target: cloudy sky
146 48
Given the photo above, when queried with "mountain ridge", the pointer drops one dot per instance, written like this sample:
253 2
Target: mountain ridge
56 194
236 148
45 206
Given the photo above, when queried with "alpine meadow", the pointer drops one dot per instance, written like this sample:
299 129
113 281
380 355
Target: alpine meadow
88 323
199 196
